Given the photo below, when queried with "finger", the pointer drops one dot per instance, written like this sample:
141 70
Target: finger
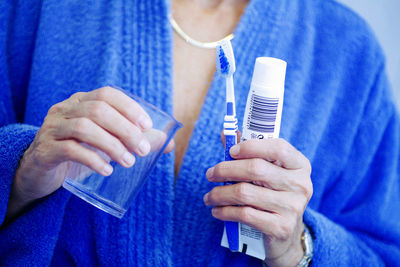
71 150
156 138
246 194
255 170
85 130
170 146
111 120
277 151
239 135
125 105
272 225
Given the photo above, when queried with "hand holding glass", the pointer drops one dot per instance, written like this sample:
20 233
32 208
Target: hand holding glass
115 193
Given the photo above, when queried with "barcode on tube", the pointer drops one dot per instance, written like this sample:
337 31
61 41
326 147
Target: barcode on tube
262 114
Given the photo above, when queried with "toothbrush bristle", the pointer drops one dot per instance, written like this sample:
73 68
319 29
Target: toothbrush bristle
225 58
223 62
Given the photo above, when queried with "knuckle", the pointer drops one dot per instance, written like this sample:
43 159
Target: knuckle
47 125
77 95
98 110
94 162
109 88
245 214
56 108
126 133
81 126
255 167
283 153
219 169
296 207
307 166
309 189
303 207
242 192
104 93
285 230
42 142
116 149
68 149
305 187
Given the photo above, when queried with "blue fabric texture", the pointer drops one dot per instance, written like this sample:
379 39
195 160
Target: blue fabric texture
338 111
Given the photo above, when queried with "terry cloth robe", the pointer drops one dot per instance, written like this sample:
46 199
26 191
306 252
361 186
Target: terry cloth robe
338 111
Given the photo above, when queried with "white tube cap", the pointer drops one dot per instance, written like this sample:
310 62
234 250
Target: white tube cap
269 72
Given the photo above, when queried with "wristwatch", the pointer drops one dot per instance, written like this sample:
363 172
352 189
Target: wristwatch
308 246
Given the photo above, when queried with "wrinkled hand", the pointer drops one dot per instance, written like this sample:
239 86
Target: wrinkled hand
105 119
272 191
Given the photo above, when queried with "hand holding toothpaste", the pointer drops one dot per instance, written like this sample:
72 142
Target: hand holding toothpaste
272 191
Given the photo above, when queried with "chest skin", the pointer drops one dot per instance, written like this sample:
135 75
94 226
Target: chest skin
194 67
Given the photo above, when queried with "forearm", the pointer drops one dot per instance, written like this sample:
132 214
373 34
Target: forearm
15 139
20 197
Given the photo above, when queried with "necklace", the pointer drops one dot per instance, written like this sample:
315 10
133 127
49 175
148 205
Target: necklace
190 40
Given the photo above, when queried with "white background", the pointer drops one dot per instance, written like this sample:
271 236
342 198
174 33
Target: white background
384 18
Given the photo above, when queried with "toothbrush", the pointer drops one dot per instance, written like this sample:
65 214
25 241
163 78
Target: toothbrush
225 62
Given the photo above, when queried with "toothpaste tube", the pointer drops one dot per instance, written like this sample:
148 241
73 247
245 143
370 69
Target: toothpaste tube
262 119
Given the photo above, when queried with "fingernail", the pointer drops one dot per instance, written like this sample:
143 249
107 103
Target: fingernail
205 198
214 211
107 170
145 122
210 172
234 151
128 159
144 147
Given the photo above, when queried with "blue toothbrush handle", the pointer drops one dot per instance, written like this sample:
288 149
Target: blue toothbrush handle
230 141
232 228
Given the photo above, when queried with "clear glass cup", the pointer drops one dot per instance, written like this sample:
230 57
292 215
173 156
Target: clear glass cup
115 193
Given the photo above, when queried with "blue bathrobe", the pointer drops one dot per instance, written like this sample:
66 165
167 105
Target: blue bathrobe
338 111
